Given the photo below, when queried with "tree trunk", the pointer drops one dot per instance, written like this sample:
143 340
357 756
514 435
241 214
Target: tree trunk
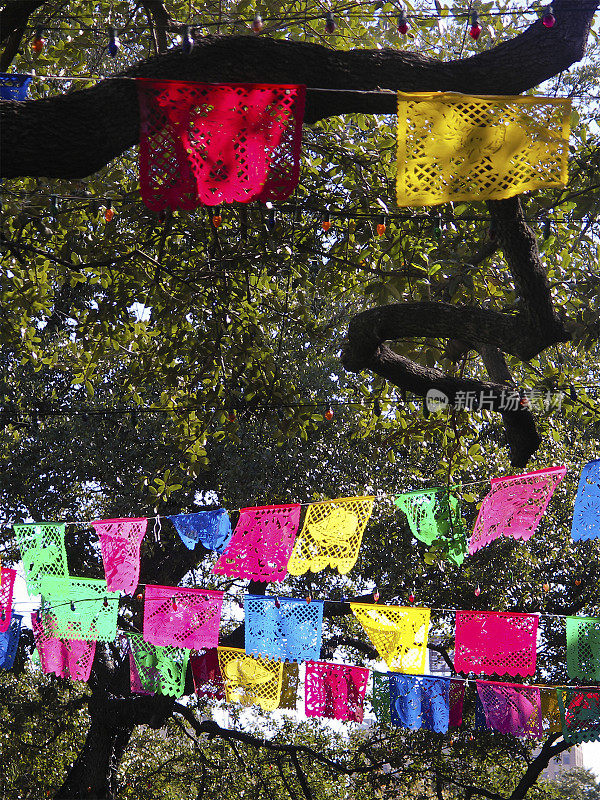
94 773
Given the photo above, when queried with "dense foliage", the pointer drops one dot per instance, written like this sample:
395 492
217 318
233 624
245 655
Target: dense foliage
148 361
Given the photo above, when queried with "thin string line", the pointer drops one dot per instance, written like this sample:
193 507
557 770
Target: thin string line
383 92
378 497
232 599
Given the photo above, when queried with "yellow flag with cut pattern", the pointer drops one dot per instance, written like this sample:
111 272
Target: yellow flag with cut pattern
462 147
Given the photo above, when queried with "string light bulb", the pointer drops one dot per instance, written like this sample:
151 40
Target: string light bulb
381 226
231 416
109 213
187 41
257 23
38 42
329 414
217 219
329 22
326 223
477 591
475 29
402 23
549 20
114 45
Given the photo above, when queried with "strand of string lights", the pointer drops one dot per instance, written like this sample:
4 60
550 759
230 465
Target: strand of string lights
326 213
357 9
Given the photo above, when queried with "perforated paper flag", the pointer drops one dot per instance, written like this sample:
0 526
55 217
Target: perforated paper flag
586 514
182 617
381 697
583 648
289 686
251 680
580 714
9 641
331 535
511 708
335 691
6 594
514 506
283 627
434 516
208 680
211 528
67 659
120 541
135 682
419 701
492 642
550 711
261 544
80 608
218 143
43 552
456 696
161 669
399 634
461 147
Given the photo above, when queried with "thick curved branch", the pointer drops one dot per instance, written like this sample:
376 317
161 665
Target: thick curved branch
523 333
74 135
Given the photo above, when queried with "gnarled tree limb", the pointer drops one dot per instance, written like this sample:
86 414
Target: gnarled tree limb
74 135
523 333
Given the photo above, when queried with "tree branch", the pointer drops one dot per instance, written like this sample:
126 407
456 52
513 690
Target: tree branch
74 135
523 333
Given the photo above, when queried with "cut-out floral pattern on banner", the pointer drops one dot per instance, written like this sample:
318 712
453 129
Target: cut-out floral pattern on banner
463 147
456 699
511 708
331 535
283 628
9 641
211 528
335 691
251 680
515 506
583 648
161 670
120 541
420 701
218 143
399 634
491 642
586 514
6 593
434 517
42 546
80 608
208 680
380 699
580 714
182 617
261 543
68 659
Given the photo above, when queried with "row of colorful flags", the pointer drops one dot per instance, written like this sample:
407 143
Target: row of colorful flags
77 612
268 542
224 143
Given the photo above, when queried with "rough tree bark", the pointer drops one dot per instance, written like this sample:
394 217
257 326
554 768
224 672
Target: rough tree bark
74 135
